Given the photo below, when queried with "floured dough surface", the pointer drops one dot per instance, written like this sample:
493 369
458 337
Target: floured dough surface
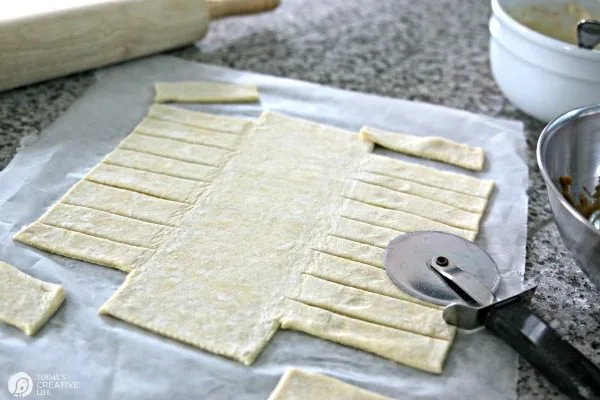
432 147
296 384
272 231
26 302
205 92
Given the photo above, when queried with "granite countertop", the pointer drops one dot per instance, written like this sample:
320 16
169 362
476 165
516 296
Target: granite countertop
431 50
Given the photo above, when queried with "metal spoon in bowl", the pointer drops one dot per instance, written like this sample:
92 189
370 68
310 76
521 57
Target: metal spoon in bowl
588 33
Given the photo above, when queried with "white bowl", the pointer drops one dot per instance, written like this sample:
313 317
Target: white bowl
542 76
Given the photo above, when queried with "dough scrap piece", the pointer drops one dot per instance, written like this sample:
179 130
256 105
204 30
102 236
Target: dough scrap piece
417 351
198 119
296 384
431 147
223 261
429 176
26 302
205 92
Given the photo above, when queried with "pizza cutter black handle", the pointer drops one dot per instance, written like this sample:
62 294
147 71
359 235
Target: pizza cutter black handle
562 364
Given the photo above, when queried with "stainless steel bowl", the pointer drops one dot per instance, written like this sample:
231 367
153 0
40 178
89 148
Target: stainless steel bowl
570 145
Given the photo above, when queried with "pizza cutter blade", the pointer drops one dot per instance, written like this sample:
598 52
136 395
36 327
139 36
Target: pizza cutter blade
448 270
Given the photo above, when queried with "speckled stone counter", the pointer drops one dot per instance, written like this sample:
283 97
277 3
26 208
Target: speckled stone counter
430 50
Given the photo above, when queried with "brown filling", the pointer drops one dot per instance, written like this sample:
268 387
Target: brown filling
587 203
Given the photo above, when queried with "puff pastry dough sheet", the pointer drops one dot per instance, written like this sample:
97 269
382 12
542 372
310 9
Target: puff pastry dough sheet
287 230
296 384
26 302
205 92
431 147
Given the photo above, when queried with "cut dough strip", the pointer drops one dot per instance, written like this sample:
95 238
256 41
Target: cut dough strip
126 203
83 247
411 204
198 119
106 225
374 308
188 134
26 302
362 232
459 200
419 351
299 385
397 220
205 92
431 147
355 251
161 165
358 275
162 186
428 176
175 149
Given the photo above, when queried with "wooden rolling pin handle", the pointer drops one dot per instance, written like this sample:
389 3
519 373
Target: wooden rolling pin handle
227 8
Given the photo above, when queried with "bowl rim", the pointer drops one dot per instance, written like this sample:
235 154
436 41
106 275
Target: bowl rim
540 39
545 136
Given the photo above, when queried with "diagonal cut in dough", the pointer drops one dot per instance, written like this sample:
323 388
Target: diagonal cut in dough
197 119
161 165
426 208
352 250
205 92
267 242
26 302
126 203
362 232
186 133
358 275
175 149
373 307
106 225
396 219
459 200
428 176
84 247
157 185
415 350
296 384
431 147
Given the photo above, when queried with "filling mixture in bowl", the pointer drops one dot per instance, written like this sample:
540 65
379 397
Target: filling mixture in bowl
587 204
558 21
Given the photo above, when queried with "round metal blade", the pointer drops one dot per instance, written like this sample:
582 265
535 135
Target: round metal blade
406 259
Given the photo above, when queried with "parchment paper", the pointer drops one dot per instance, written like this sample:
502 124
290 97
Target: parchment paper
109 359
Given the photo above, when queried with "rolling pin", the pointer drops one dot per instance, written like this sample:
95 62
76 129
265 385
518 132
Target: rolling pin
59 37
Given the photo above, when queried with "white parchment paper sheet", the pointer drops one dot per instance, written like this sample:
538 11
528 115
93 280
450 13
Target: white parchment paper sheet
110 359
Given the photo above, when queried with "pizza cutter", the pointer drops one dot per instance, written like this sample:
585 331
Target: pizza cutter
448 270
